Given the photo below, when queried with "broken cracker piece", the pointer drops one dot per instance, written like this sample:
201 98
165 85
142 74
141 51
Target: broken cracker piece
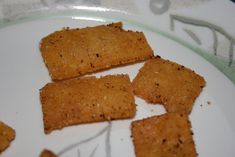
166 82
7 134
47 153
73 52
166 135
86 100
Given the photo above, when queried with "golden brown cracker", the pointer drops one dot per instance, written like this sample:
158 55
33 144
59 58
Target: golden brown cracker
72 52
166 135
166 82
47 153
7 134
85 100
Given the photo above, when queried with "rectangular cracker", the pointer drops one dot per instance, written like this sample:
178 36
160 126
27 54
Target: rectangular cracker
86 100
70 53
166 82
166 135
7 135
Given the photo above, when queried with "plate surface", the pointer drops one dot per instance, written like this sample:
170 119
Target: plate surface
23 73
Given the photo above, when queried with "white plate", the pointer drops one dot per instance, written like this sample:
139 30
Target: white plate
23 73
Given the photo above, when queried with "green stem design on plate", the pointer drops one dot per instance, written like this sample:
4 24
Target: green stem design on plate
215 45
193 36
212 27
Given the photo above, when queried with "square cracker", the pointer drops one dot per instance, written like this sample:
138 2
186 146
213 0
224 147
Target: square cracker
70 53
7 134
166 135
166 82
85 100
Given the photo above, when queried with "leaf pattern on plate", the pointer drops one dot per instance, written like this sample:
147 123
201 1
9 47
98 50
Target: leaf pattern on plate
193 36
214 28
106 130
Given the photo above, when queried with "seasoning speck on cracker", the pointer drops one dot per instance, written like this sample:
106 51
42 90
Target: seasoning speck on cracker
69 53
167 135
169 83
86 100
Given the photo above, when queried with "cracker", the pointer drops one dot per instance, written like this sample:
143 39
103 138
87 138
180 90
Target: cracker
47 153
166 82
166 135
73 52
86 100
7 134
